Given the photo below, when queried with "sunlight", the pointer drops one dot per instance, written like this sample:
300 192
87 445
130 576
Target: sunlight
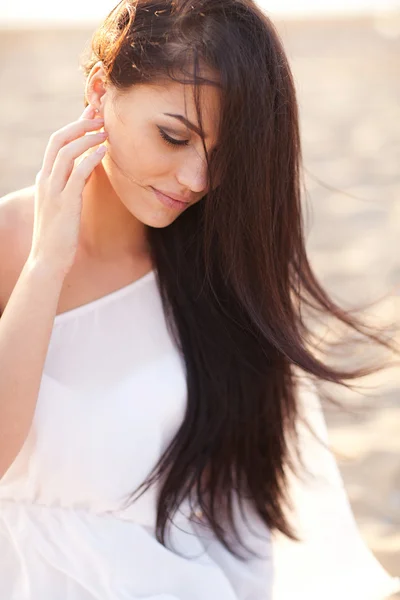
76 11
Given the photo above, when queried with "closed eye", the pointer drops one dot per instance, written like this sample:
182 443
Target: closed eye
172 141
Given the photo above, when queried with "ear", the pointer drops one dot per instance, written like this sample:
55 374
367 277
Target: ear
96 88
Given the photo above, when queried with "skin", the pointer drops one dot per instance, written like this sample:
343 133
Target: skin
118 201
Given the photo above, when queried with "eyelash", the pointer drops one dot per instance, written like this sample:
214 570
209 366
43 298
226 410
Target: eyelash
171 141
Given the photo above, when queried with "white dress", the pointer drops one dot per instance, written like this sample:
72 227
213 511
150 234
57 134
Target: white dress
112 397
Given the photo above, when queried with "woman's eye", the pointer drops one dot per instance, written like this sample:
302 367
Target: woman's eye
172 141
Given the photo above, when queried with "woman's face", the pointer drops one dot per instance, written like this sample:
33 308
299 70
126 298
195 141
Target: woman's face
150 149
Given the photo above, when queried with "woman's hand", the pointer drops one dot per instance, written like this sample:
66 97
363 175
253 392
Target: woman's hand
59 187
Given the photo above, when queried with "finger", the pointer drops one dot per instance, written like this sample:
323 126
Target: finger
66 157
82 172
88 113
63 136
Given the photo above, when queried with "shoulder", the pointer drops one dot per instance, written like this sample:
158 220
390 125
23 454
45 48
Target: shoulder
16 208
16 227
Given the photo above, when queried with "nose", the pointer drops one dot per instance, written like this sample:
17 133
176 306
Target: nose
192 172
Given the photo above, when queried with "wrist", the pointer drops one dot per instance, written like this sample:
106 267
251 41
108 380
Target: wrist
44 271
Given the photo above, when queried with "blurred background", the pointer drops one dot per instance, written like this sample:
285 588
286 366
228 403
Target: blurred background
345 57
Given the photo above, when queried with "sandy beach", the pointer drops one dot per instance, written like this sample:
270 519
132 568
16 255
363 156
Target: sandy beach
347 76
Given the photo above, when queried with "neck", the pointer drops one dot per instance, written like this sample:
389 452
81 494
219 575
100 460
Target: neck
108 231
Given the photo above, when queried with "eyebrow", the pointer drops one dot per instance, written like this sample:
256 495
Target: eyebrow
188 124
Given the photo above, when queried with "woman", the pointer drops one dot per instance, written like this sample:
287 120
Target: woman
152 298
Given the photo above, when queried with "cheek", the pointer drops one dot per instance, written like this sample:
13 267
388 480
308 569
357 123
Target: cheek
140 157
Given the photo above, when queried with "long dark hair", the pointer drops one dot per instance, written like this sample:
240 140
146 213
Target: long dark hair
232 270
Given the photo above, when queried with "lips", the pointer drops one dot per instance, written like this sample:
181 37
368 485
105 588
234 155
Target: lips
173 196
169 202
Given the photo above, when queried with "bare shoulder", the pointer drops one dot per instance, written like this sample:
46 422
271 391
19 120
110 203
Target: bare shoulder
16 207
16 227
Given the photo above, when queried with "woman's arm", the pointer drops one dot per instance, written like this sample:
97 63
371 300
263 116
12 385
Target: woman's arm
25 331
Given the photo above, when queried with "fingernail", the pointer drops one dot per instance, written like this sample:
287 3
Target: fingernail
88 110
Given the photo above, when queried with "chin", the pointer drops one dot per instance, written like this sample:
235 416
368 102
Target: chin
158 222
150 216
